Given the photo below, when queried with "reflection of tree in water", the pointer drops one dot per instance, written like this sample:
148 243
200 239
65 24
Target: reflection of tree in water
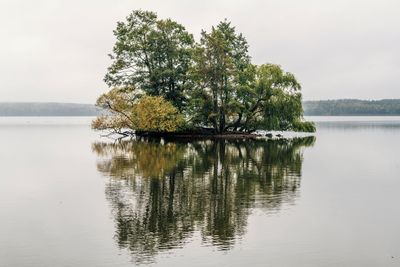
161 192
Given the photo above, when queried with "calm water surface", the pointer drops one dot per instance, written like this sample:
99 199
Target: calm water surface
71 198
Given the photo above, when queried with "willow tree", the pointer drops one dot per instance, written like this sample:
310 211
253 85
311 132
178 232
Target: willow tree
273 101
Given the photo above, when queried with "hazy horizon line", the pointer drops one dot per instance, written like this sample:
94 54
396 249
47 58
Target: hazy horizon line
86 103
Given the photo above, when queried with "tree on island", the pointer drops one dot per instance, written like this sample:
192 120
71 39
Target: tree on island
164 81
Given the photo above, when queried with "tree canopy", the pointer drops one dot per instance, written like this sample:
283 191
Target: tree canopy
152 55
206 84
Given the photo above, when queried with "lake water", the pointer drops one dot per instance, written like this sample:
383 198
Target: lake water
71 198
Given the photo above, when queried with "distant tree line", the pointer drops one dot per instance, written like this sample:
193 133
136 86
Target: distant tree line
355 107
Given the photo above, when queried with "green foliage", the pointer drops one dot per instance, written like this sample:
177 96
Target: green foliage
153 55
212 83
282 109
221 60
303 126
272 103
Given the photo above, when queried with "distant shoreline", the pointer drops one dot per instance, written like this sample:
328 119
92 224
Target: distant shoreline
340 107
352 107
48 109
355 115
33 116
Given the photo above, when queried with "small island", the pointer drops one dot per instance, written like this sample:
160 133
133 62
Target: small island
164 83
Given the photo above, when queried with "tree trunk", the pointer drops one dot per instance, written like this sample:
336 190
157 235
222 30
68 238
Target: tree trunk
215 108
221 120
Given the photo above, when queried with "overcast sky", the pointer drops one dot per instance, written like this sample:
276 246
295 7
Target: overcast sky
56 50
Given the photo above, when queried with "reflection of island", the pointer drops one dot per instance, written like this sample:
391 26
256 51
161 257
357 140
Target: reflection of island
161 192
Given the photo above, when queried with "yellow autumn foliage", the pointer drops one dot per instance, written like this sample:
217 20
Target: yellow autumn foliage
155 114
126 109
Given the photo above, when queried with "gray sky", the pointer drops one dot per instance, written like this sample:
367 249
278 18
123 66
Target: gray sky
57 50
